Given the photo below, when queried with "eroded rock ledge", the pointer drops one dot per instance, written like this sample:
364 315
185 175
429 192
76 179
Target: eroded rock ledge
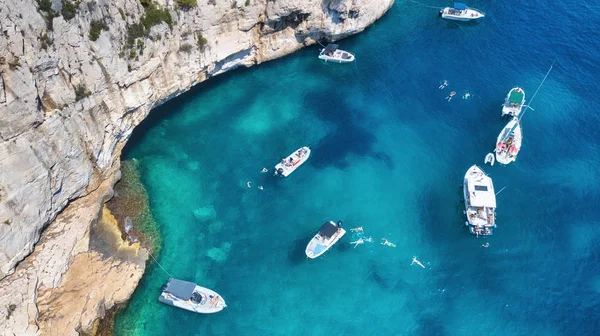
72 88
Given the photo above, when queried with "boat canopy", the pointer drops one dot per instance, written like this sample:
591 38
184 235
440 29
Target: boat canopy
481 193
516 97
460 6
331 48
328 229
181 289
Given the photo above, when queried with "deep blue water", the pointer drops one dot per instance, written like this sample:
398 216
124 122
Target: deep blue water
389 154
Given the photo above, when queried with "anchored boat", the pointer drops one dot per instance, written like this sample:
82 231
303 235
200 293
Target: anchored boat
331 53
509 141
460 12
328 235
513 104
480 202
289 164
189 296
489 158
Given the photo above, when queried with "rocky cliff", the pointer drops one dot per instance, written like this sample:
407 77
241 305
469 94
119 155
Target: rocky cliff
76 76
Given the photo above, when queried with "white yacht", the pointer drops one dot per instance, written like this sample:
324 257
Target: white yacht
328 235
460 12
480 202
513 104
289 164
189 296
331 53
509 141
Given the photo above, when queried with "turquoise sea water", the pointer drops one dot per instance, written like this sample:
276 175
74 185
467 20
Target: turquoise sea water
389 154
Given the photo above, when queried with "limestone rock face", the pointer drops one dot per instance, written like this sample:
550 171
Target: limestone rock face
69 103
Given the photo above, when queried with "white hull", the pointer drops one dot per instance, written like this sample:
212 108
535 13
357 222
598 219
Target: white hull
468 14
480 202
490 159
292 162
320 244
203 307
513 109
339 56
506 152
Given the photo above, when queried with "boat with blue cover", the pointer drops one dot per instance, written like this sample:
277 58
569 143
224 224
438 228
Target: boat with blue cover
480 202
189 296
513 104
460 12
328 235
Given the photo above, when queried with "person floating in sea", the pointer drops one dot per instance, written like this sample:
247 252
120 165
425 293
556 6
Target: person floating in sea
264 170
486 245
415 261
261 188
444 84
387 243
449 98
358 229
249 184
358 242
467 95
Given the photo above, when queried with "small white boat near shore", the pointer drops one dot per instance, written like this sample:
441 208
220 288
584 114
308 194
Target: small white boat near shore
189 296
460 12
289 164
480 202
509 142
513 104
331 53
328 235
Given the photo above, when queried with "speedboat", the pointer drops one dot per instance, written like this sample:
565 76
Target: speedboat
289 164
327 236
460 12
189 296
331 53
513 104
509 142
480 202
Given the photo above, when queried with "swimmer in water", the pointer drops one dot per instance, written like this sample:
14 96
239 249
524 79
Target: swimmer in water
358 229
467 95
444 84
387 243
486 245
261 188
368 240
249 185
449 98
264 170
358 242
415 261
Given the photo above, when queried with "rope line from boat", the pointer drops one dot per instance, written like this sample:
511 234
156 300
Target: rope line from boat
159 265
425 5
536 91
500 190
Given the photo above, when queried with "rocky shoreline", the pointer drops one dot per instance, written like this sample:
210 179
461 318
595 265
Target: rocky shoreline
75 79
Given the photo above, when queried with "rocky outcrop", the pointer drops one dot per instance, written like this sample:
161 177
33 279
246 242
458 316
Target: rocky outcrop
75 78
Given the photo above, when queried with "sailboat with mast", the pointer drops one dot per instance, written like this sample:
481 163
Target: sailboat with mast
508 143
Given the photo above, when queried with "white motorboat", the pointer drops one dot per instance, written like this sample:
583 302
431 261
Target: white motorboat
509 141
289 164
460 12
489 158
480 202
189 296
331 53
328 235
513 104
